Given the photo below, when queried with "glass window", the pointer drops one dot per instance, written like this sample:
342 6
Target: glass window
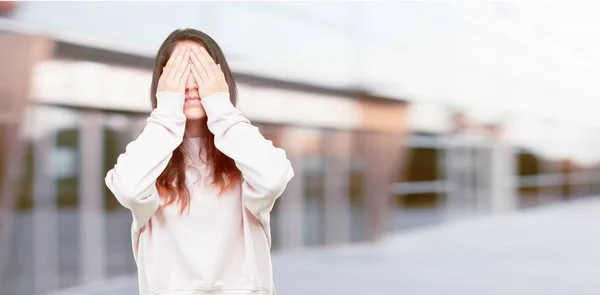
356 190
313 164
422 165
24 199
65 167
528 165
50 160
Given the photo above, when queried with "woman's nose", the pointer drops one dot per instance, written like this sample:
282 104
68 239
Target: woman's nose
191 83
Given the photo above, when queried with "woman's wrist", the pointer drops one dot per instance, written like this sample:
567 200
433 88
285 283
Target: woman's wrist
216 103
171 102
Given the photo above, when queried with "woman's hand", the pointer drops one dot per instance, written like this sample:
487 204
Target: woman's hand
207 73
176 72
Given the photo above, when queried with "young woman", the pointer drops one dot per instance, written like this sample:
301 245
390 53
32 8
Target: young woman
200 180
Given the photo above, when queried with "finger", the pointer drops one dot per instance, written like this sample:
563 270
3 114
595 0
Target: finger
199 62
220 70
208 62
196 76
172 57
207 57
185 76
200 68
177 62
171 61
183 64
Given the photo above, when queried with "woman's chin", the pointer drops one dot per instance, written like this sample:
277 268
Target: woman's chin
195 114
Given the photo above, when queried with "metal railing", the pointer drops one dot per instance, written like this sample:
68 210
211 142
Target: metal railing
447 183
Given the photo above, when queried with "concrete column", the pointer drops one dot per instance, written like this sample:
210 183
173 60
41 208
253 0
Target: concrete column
470 180
482 173
463 166
374 194
458 175
503 191
92 238
45 216
496 178
337 177
452 189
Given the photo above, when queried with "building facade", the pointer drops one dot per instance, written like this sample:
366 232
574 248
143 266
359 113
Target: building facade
73 110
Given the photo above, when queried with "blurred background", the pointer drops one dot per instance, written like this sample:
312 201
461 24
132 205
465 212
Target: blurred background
439 147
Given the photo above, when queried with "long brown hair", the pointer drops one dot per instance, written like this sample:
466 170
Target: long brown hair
171 183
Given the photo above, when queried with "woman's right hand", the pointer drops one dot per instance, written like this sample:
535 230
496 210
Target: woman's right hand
176 72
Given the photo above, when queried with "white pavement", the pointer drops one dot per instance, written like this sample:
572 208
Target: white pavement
554 250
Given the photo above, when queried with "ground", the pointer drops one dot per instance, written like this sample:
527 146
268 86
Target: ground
545 251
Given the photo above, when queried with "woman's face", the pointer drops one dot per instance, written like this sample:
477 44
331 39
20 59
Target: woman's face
192 108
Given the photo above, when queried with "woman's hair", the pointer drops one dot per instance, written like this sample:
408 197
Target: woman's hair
171 183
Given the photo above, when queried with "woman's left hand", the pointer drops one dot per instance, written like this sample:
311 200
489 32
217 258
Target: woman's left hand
207 73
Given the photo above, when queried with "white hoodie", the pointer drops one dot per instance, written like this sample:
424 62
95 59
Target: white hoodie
222 246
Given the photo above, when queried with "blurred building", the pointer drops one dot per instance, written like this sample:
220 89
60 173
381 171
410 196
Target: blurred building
71 108
75 90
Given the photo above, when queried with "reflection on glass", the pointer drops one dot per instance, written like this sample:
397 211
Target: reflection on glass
314 196
528 165
50 139
422 165
356 191
313 164
65 167
15 278
24 199
422 208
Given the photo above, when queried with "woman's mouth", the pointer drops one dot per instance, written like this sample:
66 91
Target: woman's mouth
192 99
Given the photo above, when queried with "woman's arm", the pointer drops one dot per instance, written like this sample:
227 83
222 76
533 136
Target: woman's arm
133 178
265 168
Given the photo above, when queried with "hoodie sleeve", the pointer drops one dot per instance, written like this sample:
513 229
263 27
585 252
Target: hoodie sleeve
132 180
265 168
